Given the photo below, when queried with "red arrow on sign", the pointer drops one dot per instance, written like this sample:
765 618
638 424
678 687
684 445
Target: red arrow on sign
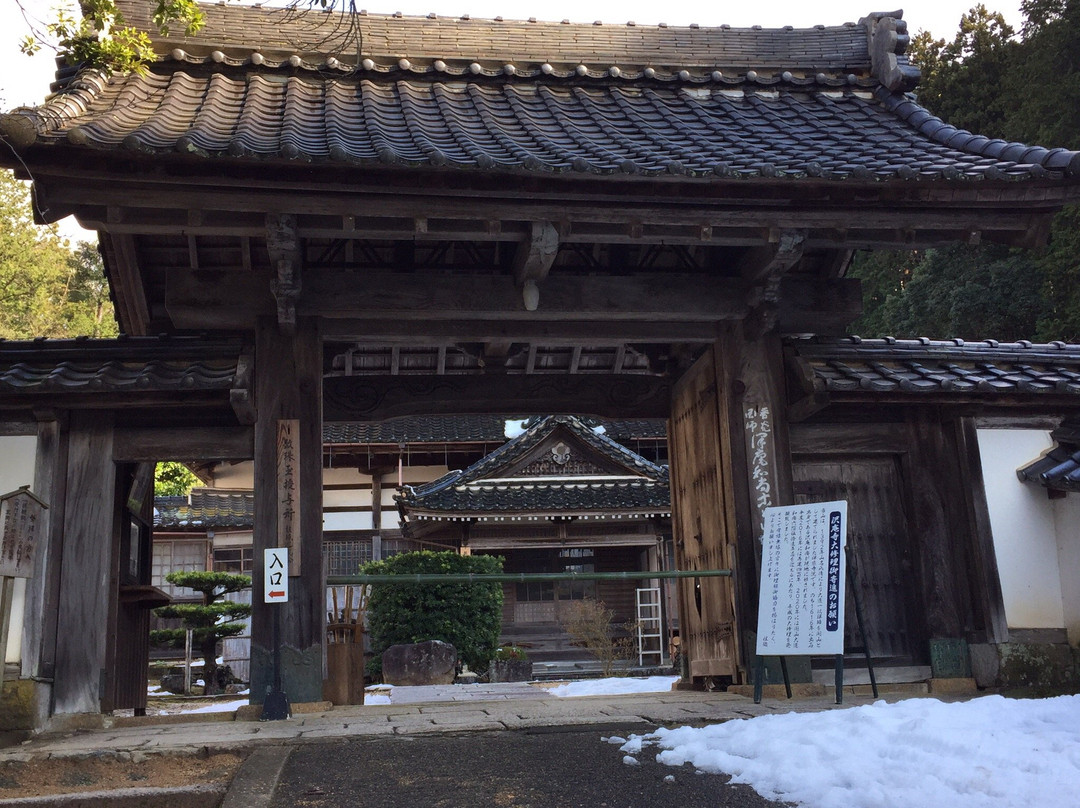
280 594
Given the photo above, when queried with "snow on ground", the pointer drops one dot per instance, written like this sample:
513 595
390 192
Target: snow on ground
216 707
617 686
989 752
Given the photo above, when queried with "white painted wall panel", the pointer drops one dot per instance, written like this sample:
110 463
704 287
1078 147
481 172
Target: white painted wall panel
355 497
347 521
1025 531
1067 520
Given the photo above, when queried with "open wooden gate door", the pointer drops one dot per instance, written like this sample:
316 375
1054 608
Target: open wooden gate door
703 521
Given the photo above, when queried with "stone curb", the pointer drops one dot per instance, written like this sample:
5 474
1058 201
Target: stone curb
199 796
253 785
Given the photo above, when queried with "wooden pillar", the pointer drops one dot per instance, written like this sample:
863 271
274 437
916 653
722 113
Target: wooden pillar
86 594
43 590
376 499
762 454
288 387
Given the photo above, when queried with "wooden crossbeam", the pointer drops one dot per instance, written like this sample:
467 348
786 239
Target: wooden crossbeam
359 398
486 308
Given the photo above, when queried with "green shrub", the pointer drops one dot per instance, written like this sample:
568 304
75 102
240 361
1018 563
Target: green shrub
506 653
467 616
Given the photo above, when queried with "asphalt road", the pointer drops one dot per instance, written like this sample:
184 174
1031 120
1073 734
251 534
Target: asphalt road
543 768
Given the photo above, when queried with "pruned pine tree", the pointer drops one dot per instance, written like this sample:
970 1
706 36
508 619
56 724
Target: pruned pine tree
210 621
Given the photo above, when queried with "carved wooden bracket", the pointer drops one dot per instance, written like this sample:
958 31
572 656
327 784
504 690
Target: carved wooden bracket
283 246
533 261
765 268
240 394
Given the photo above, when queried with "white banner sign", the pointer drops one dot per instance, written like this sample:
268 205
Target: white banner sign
803 566
276 575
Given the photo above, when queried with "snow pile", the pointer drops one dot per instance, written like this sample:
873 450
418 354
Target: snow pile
377 694
217 707
990 752
618 686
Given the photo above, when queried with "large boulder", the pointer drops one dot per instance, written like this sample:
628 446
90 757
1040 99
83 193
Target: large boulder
422 663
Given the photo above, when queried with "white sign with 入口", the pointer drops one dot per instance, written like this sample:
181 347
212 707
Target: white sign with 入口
276 575
803 572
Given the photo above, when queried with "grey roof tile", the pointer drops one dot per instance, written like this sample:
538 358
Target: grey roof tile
540 97
922 366
600 128
205 508
103 366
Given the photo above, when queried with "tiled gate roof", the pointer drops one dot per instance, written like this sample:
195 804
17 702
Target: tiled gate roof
826 102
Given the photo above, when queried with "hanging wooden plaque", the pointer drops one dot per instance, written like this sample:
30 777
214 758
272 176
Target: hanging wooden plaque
20 516
288 493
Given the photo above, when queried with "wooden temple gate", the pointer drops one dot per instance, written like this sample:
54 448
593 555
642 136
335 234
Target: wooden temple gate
623 232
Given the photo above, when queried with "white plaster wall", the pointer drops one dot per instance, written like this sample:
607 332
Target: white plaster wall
234 475
1022 518
1067 520
353 520
16 470
345 476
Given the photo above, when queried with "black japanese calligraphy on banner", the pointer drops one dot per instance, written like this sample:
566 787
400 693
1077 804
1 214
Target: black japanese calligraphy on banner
801 604
20 518
761 454
288 493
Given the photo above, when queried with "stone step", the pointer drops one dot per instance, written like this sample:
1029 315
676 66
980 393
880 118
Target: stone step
886 675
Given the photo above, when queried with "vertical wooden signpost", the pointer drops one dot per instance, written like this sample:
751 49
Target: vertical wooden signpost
276 591
801 601
20 515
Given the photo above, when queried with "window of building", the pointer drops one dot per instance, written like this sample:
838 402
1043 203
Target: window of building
237 560
176 556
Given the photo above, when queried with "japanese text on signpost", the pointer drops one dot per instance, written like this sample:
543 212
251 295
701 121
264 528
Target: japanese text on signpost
801 603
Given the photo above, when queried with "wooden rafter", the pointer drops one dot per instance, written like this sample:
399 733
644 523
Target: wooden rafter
127 284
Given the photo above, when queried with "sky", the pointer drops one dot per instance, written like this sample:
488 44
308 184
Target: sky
25 80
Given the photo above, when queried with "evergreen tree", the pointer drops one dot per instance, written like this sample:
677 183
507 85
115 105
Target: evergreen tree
1024 89
209 621
46 290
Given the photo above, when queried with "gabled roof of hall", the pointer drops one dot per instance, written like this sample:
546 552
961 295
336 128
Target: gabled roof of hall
690 102
607 479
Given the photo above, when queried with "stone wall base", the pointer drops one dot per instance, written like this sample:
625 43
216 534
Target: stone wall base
1039 666
24 705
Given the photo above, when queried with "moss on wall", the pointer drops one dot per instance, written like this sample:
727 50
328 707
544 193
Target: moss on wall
1041 668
